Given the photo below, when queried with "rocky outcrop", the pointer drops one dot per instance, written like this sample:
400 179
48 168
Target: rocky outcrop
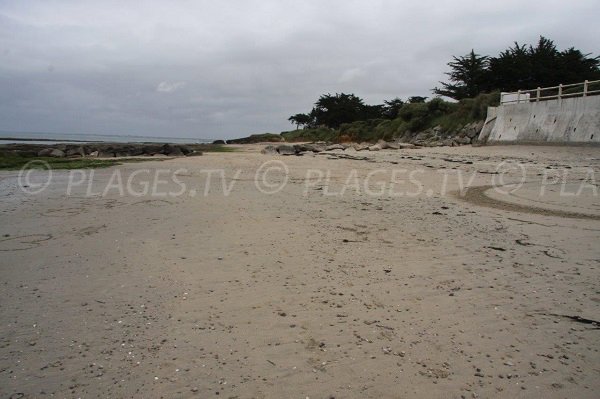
257 138
51 152
437 137
433 137
104 150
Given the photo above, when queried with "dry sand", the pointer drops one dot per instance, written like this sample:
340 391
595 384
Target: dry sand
307 292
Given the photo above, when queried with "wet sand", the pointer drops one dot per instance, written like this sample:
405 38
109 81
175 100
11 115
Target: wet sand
322 289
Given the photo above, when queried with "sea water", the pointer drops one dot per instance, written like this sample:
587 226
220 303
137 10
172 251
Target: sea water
7 137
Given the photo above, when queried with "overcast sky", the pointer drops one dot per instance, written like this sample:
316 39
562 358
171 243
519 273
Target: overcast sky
224 69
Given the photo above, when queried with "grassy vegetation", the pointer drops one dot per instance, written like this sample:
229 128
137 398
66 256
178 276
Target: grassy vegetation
217 148
257 138
411 119
317 134
16 162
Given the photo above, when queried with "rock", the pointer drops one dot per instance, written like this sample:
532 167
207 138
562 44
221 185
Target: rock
75 152
185 149
403 146
425 135
175 152
172 151
361 146
286 149
314 147
152 149
387 145
447 142
56 153
375 147
194 153
270 150
463 140
45 152
129 150
94 154
106 154
219 142
335 147
472 130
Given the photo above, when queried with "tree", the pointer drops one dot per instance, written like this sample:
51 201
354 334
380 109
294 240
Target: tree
574 64
300 119
392 107
511 70
373 112
332 111
527 67
468 77
416 100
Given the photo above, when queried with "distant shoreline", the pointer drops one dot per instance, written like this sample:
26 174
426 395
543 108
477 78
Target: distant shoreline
46 141
54 140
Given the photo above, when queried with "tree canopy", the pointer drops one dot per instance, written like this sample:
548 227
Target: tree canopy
518 67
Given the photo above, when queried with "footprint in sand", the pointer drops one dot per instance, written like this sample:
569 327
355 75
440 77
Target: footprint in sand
22 243
62 212
88 231
152 202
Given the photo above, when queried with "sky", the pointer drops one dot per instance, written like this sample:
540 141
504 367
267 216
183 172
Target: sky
226 69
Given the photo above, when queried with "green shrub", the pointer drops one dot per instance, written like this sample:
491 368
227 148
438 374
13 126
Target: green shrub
412 118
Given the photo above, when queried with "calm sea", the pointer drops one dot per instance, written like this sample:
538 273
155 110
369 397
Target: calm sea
53 138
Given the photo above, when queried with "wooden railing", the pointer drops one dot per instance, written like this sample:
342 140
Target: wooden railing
587 88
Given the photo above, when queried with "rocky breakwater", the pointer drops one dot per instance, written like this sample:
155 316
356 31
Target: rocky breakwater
103 150
438 137
301 149
433 137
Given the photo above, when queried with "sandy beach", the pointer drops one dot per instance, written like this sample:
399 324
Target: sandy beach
341 275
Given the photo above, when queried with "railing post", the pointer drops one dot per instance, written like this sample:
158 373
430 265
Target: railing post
585 88
537 94
560 91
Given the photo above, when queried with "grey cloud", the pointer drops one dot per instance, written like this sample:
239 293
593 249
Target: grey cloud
227 69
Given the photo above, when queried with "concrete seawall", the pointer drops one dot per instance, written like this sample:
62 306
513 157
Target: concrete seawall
568 120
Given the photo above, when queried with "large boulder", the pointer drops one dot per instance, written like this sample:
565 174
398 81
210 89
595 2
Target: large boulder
387 145
75 152
185 149
285 149
312 147
269 150
152 149
463 140
56 153
45 152
425 135
375 147
175 152
332 147
472 130
361 147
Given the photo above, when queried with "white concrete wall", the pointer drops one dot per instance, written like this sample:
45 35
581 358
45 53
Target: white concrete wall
570 120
